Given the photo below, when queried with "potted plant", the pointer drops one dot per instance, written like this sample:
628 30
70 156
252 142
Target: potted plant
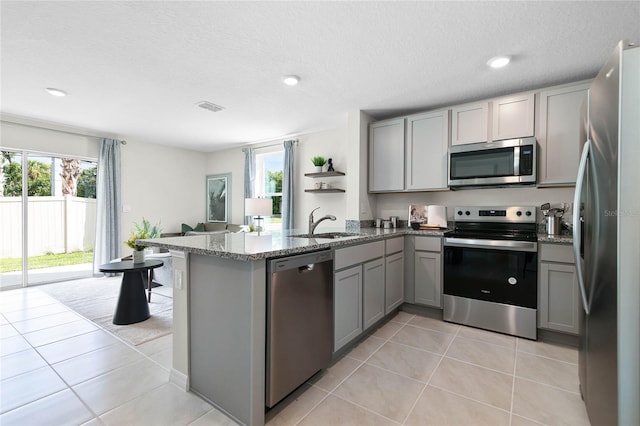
318 161
142 232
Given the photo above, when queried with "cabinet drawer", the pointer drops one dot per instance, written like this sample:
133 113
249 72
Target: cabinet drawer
394 245
428 243
357 254
557 253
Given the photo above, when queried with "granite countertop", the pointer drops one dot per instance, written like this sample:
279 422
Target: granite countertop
250 246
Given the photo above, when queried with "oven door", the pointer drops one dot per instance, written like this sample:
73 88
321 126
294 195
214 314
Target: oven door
491 270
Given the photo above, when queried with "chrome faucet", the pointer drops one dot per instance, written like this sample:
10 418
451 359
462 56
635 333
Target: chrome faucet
313 225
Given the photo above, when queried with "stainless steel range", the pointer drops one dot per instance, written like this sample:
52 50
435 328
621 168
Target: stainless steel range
490 269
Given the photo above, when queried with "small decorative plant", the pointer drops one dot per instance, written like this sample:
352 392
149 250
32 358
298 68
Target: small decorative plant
143 232
318 161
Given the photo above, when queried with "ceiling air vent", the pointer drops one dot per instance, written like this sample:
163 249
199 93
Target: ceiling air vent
209 106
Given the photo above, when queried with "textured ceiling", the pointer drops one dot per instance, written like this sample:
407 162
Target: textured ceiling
135 70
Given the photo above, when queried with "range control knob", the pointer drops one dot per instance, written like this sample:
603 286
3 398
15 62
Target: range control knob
467 213
518 213
528 213
459 212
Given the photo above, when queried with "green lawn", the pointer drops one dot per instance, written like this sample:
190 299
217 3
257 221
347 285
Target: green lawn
47 261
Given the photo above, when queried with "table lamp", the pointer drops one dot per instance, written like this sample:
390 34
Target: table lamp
258 207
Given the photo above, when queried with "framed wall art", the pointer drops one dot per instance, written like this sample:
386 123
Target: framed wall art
218 197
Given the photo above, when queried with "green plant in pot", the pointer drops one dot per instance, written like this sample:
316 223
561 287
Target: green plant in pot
318 161
142 231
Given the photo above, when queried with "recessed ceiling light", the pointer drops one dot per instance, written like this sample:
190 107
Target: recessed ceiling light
499 61
290 80
56 92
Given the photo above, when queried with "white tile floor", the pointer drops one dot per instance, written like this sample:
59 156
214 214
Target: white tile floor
421 371
59 368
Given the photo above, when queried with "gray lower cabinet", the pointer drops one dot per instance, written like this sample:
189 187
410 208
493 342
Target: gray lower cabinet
394 277
558 292
347 312
428 278
373 292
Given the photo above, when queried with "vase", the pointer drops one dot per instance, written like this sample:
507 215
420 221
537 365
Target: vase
318 169
138 256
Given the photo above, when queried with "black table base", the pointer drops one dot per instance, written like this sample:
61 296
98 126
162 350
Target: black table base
132 304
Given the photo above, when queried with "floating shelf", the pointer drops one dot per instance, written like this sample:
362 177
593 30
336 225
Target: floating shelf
325 190
324 174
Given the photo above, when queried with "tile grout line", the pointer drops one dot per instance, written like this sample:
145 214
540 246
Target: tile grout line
424 388
548 385
330 392
468 398
365 408
50 367
513 382
68 386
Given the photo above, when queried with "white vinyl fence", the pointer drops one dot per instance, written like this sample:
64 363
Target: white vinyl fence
62 224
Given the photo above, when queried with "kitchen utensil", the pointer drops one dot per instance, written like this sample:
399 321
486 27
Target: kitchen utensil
554 225
378 223
556 212
386 224
545 208
394 221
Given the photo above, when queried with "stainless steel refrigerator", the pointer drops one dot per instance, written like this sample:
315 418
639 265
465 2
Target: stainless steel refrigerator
606 227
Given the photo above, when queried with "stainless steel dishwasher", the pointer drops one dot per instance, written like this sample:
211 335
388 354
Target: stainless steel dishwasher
299 321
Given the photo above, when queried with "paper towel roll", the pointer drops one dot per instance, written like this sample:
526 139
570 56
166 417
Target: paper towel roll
437 215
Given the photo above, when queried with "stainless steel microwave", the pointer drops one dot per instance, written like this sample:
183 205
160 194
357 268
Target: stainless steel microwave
499 163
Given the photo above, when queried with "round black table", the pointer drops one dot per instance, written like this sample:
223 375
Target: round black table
132 303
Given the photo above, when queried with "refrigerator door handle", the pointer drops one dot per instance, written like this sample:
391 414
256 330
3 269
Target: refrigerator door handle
577 234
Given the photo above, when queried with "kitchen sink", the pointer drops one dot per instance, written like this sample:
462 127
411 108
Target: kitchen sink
330 235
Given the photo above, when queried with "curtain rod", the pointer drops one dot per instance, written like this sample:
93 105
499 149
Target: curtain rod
123 142
295 142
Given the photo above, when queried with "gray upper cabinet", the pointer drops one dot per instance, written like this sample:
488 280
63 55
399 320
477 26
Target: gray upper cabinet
508 117
513 117
560 134
426 150
386 155
469 123
558 292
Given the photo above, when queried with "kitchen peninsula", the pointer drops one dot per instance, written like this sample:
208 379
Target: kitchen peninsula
219 317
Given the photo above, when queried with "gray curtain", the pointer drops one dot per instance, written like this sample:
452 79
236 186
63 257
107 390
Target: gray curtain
108 205
287 185
249 176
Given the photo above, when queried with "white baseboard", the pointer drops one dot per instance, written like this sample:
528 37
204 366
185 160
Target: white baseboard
179 379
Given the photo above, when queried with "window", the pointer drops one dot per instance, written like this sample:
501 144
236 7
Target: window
268 183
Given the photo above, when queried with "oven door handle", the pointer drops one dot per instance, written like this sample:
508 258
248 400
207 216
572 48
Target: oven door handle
492 244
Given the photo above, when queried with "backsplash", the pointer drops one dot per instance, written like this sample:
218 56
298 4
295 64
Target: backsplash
398 204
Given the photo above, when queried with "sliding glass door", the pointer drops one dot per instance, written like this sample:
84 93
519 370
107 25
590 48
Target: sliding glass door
50 203
12 264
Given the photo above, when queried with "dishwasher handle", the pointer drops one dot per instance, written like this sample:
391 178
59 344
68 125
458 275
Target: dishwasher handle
301 262
306 268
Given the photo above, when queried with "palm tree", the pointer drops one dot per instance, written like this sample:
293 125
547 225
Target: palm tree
69 175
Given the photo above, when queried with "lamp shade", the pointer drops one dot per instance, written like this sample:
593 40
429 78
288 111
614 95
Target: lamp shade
258 207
